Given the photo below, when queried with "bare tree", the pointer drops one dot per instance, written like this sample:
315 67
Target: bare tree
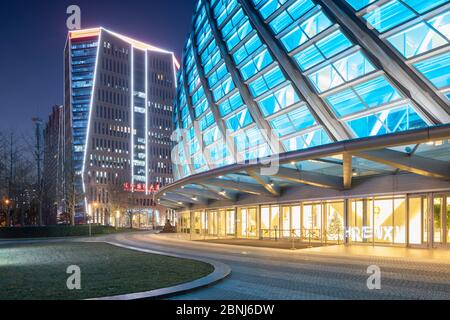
17 180
72 197
119 200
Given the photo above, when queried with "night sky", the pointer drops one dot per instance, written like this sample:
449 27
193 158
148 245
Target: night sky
32 38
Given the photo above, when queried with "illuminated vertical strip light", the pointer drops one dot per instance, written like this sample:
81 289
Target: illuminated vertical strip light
146 122
174 65
91 105
132 118
69 43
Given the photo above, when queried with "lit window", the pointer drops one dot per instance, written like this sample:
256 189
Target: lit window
416 40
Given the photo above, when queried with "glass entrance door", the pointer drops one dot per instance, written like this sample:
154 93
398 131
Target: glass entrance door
441 220
247 227
312 221
286 222
334 215
438 205
270 222
213 223
447 217
418 220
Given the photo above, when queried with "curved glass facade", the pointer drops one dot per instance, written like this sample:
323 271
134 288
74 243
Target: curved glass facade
262 77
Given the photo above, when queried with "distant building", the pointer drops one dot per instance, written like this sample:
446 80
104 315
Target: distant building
119 95
53 174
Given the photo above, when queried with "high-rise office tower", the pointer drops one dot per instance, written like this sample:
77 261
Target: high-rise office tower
118 105
347 100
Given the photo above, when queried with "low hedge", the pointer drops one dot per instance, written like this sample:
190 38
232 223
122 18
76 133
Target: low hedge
57 231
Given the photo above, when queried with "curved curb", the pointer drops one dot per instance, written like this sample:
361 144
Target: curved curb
221 271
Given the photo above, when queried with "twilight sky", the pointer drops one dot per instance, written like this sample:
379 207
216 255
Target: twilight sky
33 34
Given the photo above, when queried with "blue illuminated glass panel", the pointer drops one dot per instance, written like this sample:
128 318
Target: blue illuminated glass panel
359 4
371 94
422 6
389 15
296 120
239 120
281 99
341 71
269 80
308 140
442 24
387 121
416 40
436 70
322 50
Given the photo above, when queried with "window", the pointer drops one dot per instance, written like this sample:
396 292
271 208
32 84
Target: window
239 120
293 13
247 49
436 70
333 44
296 120
387 121
281 99
422 6
307 30
231 104
389 15
326 78
211 135
308 140
359 4
309 57
442 24
416 40
206 121
256 64
347 69
370 94
316 24
225 87
325 48
269 80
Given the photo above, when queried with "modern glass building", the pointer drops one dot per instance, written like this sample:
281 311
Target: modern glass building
118 108
315 119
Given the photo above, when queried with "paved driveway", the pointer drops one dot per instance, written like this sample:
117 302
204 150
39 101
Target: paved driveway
259 273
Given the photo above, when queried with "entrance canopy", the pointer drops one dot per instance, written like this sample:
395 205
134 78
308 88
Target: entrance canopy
339 167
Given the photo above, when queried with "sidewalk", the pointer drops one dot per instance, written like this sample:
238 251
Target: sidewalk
424 255
358 251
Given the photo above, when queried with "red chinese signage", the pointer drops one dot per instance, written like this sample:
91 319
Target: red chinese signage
140 187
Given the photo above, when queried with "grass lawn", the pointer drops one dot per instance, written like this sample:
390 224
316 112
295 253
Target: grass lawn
38 271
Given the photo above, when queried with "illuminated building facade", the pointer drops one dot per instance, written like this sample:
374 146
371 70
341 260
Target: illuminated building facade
53 183
118 107
315 119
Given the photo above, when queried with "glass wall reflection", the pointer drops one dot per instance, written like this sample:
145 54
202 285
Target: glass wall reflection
415 220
